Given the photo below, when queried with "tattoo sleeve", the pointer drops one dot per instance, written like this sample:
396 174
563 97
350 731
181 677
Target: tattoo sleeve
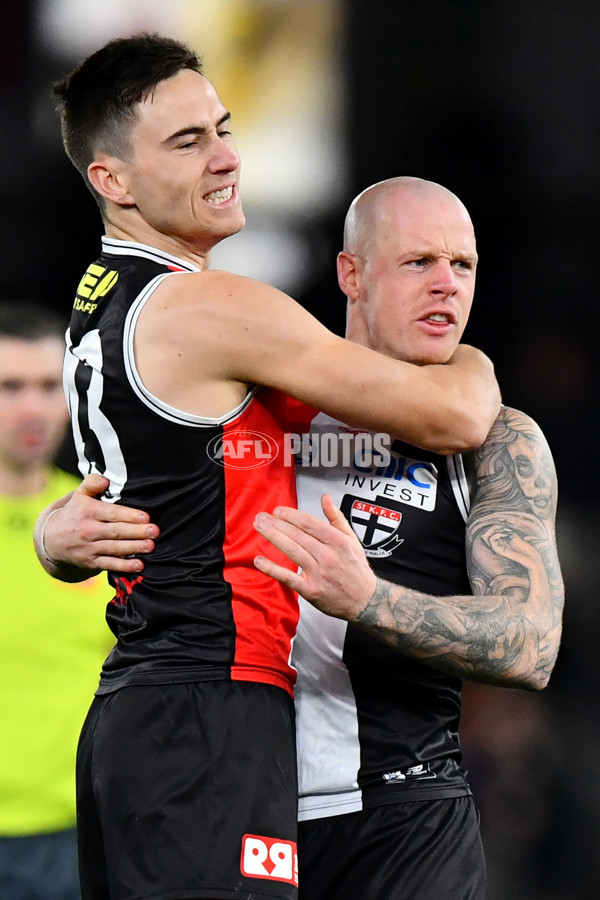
508 631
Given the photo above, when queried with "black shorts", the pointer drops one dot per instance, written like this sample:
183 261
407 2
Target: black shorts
420 850
188 791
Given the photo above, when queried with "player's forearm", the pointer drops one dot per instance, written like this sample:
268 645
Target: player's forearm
483 638
471 400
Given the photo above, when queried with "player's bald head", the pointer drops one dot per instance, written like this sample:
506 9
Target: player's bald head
369 210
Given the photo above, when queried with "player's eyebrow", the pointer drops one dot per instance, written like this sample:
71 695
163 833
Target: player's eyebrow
198 129
422 250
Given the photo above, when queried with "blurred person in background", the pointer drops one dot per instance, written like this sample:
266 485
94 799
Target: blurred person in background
53 637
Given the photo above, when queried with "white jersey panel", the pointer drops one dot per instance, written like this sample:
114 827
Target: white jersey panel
380 496
326 721
326 716
89 351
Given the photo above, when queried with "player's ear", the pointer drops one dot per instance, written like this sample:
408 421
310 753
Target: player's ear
108 177
349 270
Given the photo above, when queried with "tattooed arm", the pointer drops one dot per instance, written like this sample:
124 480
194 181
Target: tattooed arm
508 631
511 553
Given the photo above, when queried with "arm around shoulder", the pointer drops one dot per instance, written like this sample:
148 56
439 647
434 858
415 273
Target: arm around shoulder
473 397
270 339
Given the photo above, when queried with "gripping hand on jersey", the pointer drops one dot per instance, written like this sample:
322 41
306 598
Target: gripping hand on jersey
334 575
79 535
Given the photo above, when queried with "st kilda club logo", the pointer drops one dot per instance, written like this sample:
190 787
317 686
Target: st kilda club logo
375 523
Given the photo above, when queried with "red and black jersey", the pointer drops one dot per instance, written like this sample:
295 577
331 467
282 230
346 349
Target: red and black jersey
200 610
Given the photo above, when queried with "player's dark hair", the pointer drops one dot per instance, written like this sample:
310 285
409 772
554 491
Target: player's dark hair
28 320
97 100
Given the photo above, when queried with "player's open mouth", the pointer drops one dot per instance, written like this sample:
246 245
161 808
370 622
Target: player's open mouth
438 317
215 198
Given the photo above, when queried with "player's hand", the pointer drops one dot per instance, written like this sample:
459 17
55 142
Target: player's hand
335 575
89 534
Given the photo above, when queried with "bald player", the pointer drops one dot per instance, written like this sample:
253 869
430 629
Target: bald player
436 569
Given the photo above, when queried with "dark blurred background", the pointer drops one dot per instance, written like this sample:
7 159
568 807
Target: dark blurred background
499 102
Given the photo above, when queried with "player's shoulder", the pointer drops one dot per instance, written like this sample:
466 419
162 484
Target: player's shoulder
217 283
512 421
515 435
216 299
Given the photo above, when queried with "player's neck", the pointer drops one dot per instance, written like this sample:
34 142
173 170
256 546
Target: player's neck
145 234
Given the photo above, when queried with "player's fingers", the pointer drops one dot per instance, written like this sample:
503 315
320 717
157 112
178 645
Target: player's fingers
89 531
297 546
279 573
122 549
304 523
334 515
91 488
123 566
113 512
93 485
302 546
120 532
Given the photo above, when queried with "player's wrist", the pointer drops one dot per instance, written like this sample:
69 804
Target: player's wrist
43 537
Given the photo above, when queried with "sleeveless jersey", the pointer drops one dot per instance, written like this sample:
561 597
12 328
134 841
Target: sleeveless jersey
200 610
374 726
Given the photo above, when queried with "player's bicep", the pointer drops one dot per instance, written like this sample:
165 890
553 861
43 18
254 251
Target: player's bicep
231 329
511 545
275 342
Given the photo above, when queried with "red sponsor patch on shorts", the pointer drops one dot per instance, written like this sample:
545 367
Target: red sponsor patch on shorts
265 857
